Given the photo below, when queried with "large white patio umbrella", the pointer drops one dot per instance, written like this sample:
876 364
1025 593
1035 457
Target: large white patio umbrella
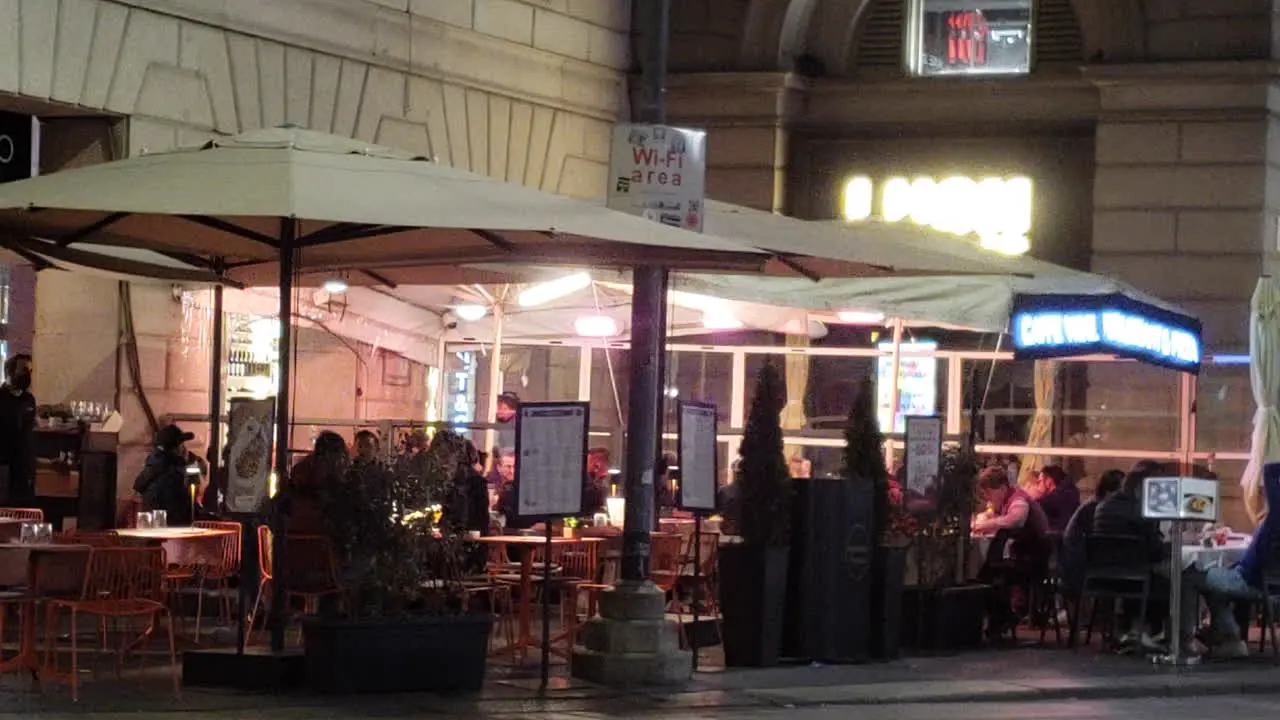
1264 372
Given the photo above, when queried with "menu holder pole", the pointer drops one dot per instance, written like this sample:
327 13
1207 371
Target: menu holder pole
1174 656
697 586
546 609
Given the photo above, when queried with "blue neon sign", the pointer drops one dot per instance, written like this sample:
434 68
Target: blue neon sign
1061 326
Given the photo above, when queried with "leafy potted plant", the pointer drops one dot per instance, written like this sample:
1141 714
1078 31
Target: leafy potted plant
892 525
753 572
406 628
942 610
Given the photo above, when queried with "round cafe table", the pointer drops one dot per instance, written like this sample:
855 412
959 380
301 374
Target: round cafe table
182 545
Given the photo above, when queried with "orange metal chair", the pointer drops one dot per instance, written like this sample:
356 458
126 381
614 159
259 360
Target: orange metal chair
264 579
221 572
120 583
28 514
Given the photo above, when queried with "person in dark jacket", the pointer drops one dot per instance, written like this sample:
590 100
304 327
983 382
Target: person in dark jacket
17 432
163 483
310 481
469 499
1121 513
1076 536
1062 498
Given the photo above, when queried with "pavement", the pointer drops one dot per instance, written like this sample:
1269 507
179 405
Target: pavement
997 678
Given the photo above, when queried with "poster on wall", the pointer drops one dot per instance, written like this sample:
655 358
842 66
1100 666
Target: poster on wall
551 459
659 173
698 459
249 454
917 383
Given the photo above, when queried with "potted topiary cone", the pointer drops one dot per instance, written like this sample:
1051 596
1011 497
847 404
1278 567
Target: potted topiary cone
864 462
753 569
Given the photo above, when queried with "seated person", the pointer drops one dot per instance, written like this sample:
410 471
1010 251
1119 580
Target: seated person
506 506
1076 535
1061 498
1121 514
1021 519
1222 585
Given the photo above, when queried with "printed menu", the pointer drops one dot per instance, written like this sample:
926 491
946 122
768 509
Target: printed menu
697 444
551 459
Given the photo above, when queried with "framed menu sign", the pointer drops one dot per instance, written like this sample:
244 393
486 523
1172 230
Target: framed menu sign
698 458
249 454
923 459
1180 498
551 459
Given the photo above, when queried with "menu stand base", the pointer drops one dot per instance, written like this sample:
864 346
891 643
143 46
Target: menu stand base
631 643
257 670
1176 660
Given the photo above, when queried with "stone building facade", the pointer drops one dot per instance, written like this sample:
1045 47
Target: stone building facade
1146 125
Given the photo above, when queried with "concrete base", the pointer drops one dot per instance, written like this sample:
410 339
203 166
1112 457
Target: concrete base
631 643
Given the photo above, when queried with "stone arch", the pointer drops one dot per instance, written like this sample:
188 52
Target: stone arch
778 31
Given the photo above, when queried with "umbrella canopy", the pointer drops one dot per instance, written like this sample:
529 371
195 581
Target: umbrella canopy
356 209
1264 372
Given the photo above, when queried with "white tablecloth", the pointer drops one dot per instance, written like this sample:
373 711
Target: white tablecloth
1205 558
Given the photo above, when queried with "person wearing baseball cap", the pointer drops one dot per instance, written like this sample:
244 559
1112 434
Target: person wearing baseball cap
163 482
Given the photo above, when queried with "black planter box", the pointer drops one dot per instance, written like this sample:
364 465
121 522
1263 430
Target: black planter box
888 580
753 595
829 593
417 654
944 619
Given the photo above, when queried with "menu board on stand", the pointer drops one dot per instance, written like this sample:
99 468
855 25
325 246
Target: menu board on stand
551 469
1178 500
696 493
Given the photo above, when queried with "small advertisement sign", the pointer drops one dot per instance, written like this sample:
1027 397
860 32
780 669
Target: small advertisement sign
1180 498
659 173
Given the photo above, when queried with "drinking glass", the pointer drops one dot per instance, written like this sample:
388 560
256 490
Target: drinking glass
44 533
27 534
145 520
159 518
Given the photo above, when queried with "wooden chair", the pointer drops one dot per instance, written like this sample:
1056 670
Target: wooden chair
221 572
28 514
120 583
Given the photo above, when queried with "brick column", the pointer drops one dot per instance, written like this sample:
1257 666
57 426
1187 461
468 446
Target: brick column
746 116
1185 208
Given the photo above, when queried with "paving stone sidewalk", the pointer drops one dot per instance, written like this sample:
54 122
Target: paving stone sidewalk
1022 675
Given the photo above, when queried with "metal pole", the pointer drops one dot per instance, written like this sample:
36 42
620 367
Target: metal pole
648 329
288 237
697 585
215 393
546 609
642 419
495 384
895 401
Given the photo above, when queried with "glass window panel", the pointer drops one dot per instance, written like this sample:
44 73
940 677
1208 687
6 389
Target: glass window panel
1233 512
699 377
541 373
1128 405
1007 401
1224 409
610 368
971 37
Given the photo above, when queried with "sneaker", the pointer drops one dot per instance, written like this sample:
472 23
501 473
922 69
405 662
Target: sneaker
1230 650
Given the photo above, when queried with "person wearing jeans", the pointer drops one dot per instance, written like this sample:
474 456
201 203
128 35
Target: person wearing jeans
1222 585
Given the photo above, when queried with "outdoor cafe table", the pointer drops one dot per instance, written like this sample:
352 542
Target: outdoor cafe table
38 559
182 545
1217 556
528 544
